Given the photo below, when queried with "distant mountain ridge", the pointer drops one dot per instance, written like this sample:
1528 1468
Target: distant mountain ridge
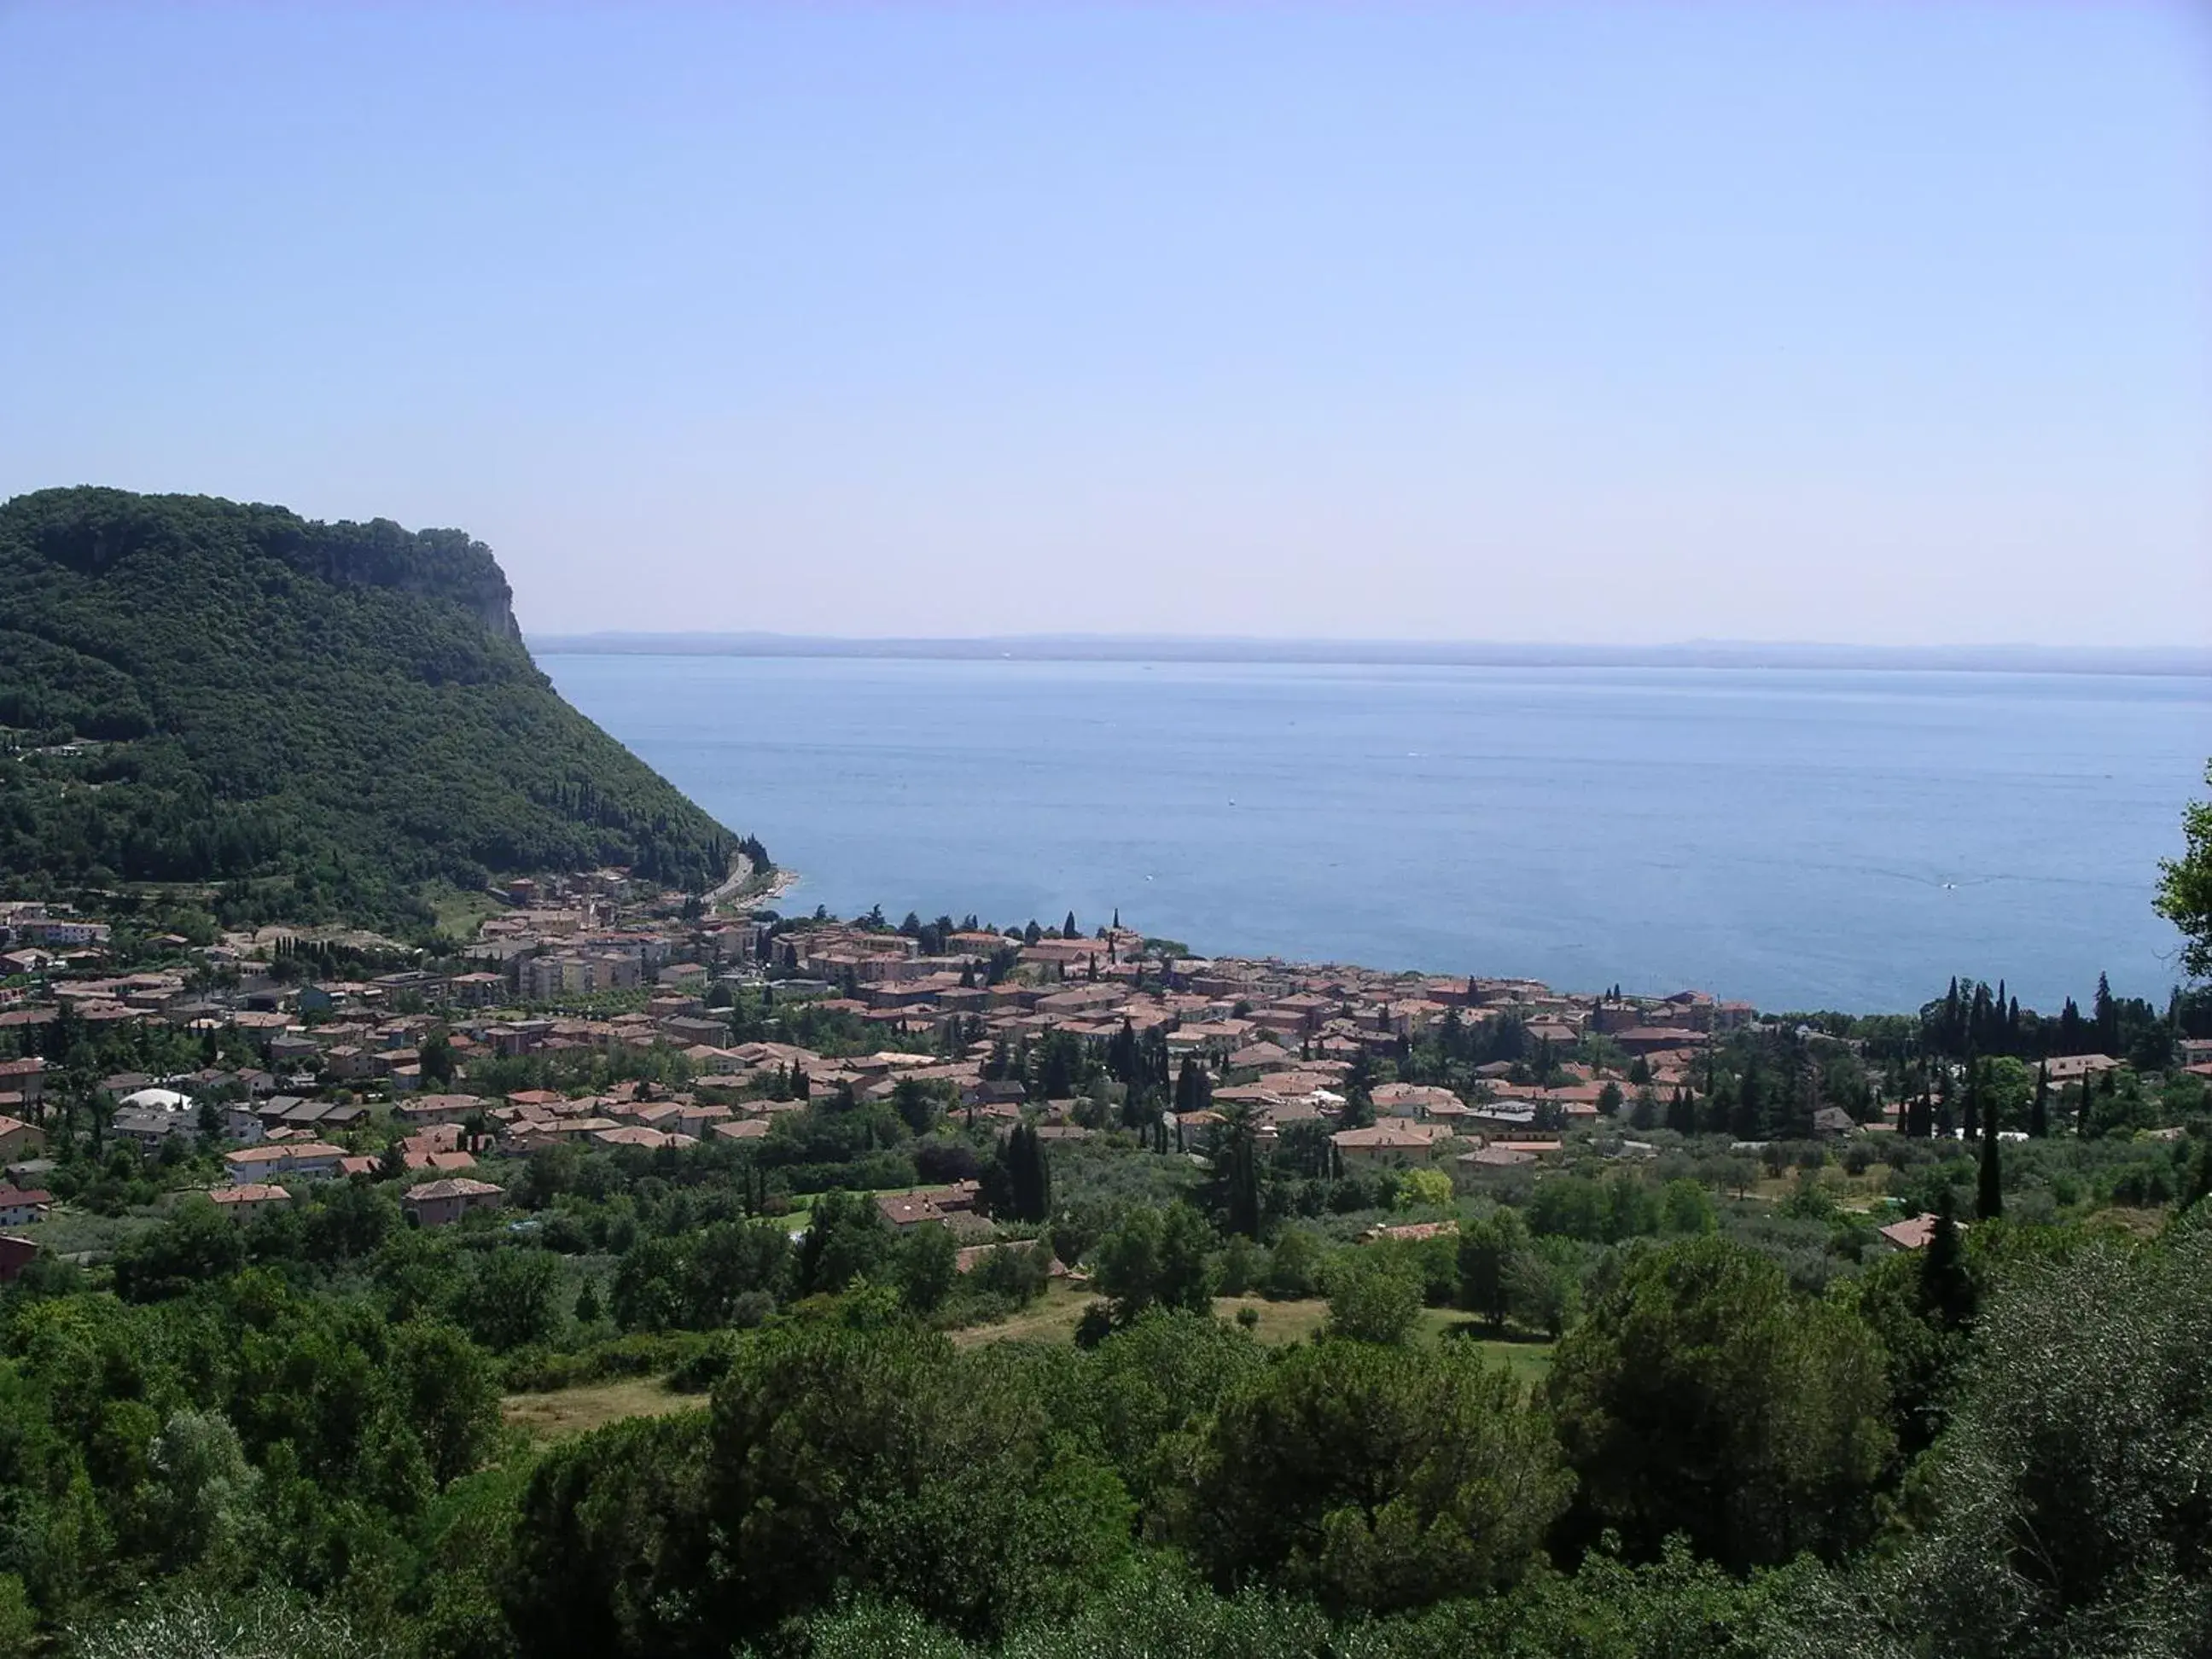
1695 654
318 718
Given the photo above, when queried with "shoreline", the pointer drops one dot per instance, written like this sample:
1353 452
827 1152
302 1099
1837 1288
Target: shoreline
780 881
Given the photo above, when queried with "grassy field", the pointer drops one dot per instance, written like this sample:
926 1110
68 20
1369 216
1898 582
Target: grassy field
1530 1362
1847 1190
593 1406
1051 1318
1054 1320
1279 1322
459 912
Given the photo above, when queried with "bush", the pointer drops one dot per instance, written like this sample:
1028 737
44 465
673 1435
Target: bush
1373 1301
1700 1396
1375 1478
886 1460
536 1370
1294 1265
2064 1510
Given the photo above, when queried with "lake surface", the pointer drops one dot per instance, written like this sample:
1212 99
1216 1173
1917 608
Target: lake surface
1798 838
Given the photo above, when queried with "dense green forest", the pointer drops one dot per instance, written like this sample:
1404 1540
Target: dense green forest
1682 1403
1994 1446
316 719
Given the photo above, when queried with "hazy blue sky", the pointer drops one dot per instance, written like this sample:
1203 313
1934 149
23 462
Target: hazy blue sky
1852 321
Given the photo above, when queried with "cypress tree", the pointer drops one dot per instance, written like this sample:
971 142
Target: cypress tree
1947 1287
1919 1118
1021 1171
1190 1091
1973 1124
1718 1110
1989 1193
1358 1107
1035 1184
2038 1120
1749 1116
1236 1158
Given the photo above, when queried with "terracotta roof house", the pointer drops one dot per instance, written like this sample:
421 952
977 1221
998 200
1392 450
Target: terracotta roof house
286 1158
905 1210
249 1198
439 1108
1913 1233
1413 1099
1649 1039
1496 1157
450 1161
438 1203
636 1135
20 1208
2072 1068
24 1078
1393 1142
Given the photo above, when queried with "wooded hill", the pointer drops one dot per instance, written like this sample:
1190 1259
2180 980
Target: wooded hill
318 718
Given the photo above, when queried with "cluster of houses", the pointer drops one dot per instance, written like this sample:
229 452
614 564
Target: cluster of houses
1285 1041
34 935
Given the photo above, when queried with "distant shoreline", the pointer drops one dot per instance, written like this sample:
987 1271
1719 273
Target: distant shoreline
2187 661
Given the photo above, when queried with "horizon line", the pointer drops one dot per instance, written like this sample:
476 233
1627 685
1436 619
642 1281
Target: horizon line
2017 657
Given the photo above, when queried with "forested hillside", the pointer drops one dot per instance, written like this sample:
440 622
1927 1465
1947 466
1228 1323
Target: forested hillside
321 717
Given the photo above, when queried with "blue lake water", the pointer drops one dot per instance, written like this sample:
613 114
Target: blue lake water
1798 838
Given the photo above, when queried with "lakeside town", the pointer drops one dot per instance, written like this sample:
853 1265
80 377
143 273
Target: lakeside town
315 1075
1617 594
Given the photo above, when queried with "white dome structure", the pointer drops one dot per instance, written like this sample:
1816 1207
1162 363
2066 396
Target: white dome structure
158 1100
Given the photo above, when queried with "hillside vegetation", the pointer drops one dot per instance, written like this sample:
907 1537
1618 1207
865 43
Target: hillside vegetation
319 719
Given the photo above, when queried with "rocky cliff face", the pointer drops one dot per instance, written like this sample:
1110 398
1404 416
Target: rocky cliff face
91 530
